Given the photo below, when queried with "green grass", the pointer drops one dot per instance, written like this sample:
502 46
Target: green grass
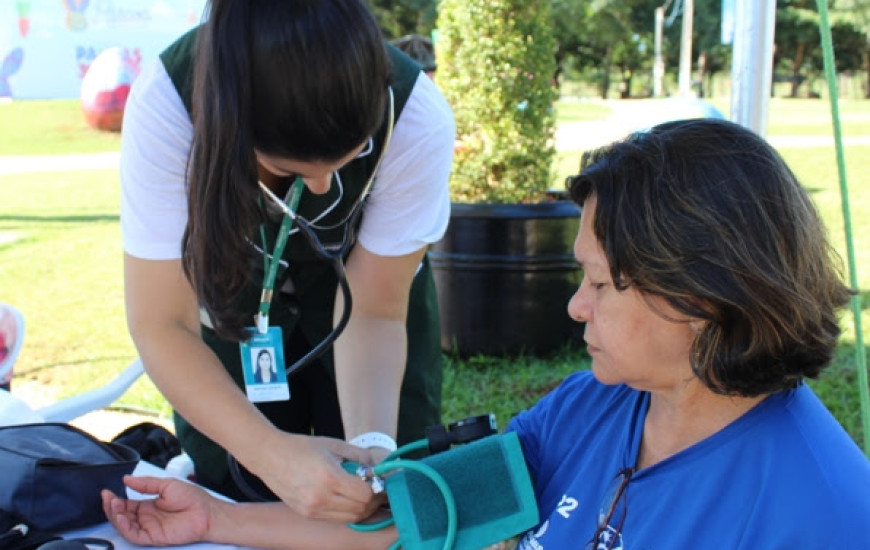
813 117
503 386
61 262
50 127
579 110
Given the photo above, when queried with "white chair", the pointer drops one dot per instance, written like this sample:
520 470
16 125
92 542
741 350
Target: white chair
11 338
15 411
99 398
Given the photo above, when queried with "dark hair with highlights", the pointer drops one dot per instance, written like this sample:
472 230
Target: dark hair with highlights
303 79
706 215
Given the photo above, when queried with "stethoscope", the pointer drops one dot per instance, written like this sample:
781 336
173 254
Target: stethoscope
334 254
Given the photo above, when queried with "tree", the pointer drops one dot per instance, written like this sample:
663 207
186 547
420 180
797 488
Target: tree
857 14
496 67
602 34
568 18
798 45
796 38
398 18
712 55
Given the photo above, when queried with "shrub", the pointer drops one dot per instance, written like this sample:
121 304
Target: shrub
496 67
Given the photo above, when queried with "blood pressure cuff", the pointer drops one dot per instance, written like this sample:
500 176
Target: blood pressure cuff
491 491
51 474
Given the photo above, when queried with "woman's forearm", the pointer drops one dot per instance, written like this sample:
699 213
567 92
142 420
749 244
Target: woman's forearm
371 354
370 365
275 526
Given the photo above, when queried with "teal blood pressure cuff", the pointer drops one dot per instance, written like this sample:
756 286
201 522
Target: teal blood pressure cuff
491 488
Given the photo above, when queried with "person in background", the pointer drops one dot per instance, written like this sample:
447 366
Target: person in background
709 295
264 105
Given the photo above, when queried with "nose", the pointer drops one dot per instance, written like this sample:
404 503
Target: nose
318 184
579 308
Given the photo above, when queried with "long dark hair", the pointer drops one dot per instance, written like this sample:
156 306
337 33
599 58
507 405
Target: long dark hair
706 214
301 79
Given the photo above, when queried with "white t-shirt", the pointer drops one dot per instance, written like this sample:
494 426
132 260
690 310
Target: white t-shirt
408 208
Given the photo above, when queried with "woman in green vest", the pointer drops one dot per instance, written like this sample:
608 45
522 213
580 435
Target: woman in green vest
267 147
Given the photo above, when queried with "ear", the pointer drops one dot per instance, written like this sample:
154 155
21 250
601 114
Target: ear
697 326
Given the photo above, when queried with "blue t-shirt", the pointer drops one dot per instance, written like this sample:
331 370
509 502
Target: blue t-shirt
785 475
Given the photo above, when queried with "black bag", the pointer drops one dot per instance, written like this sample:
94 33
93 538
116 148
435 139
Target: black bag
17 534
51 474
154 443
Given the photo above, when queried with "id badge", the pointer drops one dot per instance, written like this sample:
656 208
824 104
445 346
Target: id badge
263 366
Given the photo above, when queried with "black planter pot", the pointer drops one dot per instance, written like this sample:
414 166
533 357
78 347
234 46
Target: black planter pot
504 274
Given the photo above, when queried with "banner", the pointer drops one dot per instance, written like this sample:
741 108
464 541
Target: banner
46 46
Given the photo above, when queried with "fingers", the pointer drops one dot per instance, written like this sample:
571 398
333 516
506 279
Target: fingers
338 496
377 505
119 512
346 451
146 485
107 497
316 485
379 454
333 494
351 486
113 505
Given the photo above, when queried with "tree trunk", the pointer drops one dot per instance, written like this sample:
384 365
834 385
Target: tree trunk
796 63
867 68
702 72
605 78
560 58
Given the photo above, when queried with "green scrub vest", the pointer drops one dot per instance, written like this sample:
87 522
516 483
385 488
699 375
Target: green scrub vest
307 313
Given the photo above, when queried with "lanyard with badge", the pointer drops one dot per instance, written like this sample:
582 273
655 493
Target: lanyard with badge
263 353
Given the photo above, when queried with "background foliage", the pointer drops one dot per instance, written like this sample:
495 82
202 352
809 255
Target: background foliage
607 42
496 65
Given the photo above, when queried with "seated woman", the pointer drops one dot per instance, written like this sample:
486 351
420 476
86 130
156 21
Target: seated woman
710 293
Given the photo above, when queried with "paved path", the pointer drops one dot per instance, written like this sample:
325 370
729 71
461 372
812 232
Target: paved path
570 136
58 163
628 116
580 136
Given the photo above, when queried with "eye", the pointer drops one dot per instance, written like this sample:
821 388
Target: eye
594 285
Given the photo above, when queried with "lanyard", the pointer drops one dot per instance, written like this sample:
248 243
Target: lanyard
271 271
271 267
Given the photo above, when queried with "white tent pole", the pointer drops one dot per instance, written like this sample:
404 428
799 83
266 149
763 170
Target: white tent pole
685 74
659 63
752 63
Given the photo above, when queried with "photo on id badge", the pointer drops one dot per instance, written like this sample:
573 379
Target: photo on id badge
263 366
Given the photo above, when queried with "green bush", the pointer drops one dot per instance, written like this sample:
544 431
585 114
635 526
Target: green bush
496 68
